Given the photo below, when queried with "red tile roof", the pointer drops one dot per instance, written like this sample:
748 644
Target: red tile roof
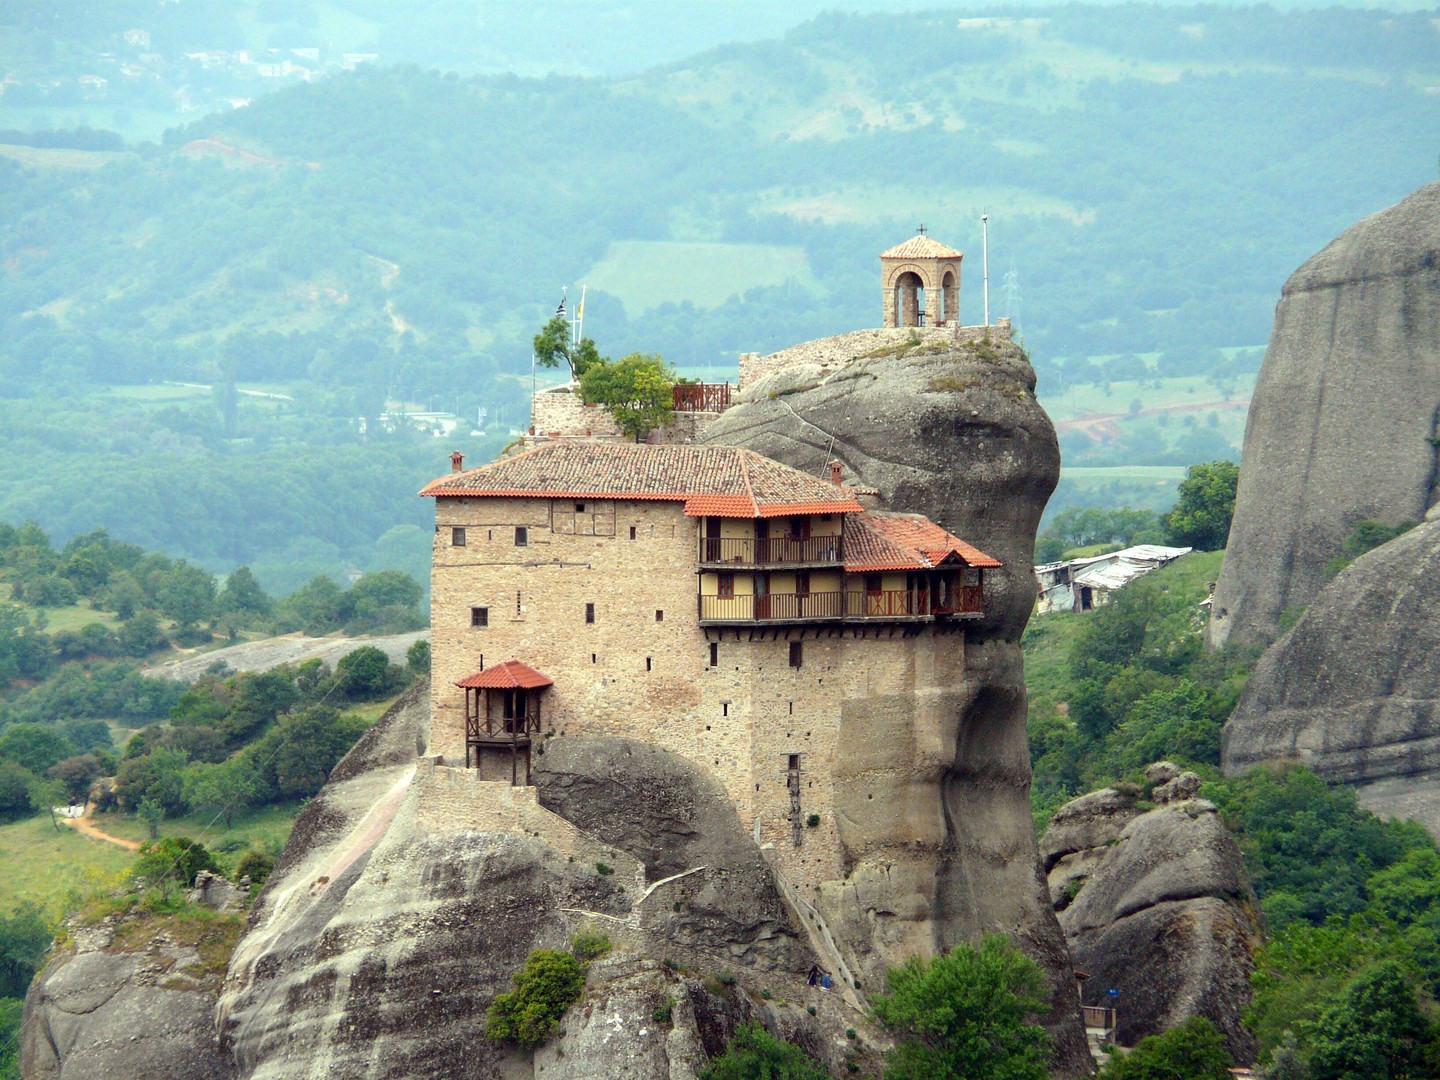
713 481
920 247
876 541
511 675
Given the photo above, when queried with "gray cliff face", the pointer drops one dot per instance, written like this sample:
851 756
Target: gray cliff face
954 433
1155 904
1353 691
1339 429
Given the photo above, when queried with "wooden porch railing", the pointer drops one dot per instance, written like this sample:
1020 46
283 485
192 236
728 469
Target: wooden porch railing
701 397
967 600
799 607
756 551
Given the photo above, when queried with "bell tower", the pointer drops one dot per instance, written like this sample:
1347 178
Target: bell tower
920 283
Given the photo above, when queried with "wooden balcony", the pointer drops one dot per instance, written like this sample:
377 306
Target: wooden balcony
701 397
770 551
890 605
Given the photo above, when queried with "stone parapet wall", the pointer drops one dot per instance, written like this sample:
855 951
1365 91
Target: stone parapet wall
560 411
835 351
454 800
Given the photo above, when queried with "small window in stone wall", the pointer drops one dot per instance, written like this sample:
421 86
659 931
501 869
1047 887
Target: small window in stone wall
714 654
479 616
522 536
457 536
589 613
632 532
647 663
659 616
797 654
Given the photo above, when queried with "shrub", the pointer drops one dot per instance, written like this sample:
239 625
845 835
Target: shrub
548 984
257 865
755 1053
589 944
174 859
1194 1051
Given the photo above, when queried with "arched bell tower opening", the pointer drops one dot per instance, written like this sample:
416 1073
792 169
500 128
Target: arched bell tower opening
920 282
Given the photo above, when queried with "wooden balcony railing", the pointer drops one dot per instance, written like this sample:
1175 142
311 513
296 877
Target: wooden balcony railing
701 397
803 607
767 551
967 600
502 729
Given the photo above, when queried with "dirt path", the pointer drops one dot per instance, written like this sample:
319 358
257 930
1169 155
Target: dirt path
86 825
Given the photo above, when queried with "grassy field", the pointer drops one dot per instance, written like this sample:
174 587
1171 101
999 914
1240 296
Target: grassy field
645 274
72 617
34 157
51 869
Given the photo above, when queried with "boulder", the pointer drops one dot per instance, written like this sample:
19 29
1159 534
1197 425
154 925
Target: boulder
1342 426
1353 691
945 850
104 1009
1155 904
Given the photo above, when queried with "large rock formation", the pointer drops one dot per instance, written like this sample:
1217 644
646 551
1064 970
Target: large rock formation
952 431
1155 904
1353 691
405 903
1343 423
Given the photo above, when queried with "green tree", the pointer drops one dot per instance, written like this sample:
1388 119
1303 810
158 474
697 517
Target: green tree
555 344
1194 1050
243 594
15 781
1202 513
34 746
151 813
311 740
1375 1031
638 390
77 774
24 939
140 634
364 673
223 790
417 658
545 987
755 1054
966 1014
256 865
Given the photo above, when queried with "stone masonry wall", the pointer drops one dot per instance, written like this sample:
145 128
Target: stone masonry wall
642 669
834 351
559 411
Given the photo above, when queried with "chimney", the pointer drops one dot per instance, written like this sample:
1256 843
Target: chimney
457 459
835 471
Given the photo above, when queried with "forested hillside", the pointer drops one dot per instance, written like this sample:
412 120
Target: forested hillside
397 235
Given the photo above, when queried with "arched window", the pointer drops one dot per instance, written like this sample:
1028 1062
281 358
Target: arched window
949 298
909 300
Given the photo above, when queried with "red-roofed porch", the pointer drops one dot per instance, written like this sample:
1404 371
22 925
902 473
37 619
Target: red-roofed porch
502 711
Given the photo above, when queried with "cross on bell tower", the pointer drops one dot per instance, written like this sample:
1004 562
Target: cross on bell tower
920 283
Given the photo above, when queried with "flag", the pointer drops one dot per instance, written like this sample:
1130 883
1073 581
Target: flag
580 311
560 311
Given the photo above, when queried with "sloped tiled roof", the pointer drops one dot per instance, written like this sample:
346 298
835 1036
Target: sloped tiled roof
511 675
920 247
715 481
876 541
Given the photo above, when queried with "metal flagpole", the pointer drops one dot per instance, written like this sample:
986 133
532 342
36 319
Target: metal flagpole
985 261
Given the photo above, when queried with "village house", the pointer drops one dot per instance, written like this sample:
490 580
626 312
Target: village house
1085 584
704 599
